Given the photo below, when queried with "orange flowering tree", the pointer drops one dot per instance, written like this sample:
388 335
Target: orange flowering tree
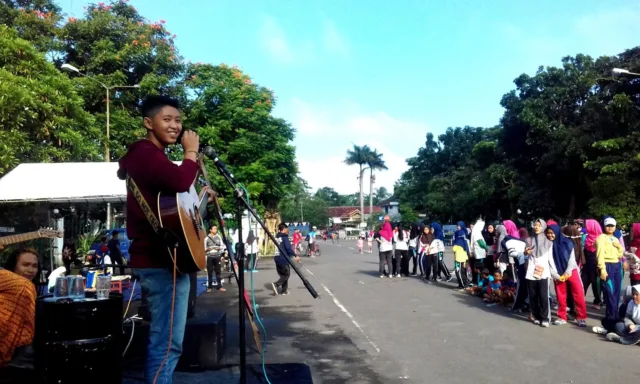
33 20
114 45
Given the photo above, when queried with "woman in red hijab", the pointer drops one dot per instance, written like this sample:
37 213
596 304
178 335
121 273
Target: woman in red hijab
386 247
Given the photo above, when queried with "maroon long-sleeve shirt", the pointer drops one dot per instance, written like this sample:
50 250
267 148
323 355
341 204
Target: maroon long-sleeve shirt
153 173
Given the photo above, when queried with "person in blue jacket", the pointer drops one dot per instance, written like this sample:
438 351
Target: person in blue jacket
282 265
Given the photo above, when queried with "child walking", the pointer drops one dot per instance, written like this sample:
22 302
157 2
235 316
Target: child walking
361 242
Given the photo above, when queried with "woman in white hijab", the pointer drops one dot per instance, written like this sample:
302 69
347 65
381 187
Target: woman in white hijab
478 245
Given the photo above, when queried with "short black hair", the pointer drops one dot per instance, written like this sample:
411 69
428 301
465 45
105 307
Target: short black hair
153 104
114 233
281 226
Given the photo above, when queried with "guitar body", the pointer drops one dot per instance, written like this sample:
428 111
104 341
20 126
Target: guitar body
179 215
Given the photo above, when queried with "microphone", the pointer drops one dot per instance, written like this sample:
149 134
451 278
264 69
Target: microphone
211 153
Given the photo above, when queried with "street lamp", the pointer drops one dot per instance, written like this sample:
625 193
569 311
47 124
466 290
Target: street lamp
622 71
107 157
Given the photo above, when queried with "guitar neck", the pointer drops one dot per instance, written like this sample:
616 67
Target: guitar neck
6 240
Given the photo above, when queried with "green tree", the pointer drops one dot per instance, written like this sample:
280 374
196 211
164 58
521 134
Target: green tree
360 156
33 20
375 163
233 115
42 117
114 45
380 193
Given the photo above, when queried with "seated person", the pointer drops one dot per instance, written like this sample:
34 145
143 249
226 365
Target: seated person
17 319
629 326
24 262
494 292
484 280
508 289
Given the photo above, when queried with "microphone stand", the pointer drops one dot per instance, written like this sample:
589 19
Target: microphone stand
241 204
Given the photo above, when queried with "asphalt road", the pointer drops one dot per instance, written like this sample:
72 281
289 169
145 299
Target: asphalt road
365 329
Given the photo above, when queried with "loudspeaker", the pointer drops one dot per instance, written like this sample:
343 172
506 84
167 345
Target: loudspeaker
203 347
205 341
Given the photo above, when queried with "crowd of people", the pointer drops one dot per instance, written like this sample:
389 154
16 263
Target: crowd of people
509 266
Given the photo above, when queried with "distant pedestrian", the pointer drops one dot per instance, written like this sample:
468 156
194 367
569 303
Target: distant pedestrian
282 265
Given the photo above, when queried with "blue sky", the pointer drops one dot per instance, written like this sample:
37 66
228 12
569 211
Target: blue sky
384 73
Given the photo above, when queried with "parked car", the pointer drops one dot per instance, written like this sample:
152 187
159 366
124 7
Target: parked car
122 236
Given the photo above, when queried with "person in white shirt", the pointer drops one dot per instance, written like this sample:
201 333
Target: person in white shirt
413 243
385 248
424 243
251 250
540 269
401 238
438 247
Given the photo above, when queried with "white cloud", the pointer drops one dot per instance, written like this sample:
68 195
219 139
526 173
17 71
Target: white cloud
333 41
609 32
325 134
274 40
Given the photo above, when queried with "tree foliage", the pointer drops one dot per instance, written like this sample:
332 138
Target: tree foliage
568 144
48 115
42 118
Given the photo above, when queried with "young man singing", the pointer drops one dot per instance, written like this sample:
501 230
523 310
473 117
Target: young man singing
282 265
147 164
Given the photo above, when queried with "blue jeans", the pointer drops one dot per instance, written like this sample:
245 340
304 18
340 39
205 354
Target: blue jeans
611 290
157 284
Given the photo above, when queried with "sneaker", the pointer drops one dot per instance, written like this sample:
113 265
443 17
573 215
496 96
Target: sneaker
285 293
596 307
449 278
536 322
582 323
555 307
612 336
559 322
275 290
599 330
545 324
492 305
391 276
382 276
439 279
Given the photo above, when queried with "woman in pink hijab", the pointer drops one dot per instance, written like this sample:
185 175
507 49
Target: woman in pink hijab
386 248
511 228
590 275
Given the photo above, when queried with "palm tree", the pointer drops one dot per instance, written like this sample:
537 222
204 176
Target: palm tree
361 156
375 162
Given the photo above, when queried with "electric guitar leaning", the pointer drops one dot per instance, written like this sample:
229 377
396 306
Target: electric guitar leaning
39 234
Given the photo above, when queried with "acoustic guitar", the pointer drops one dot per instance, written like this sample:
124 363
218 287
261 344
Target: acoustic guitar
47 233
180 216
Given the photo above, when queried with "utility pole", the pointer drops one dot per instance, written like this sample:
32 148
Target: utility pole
107 154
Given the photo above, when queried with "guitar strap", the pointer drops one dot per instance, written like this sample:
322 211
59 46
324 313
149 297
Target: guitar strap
146 209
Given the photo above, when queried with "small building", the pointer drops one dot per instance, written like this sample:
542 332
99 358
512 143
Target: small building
350 215
390 206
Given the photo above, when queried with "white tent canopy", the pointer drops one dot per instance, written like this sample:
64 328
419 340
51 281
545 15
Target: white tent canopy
63 183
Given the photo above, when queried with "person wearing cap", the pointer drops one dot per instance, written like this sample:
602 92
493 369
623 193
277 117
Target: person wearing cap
609 252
